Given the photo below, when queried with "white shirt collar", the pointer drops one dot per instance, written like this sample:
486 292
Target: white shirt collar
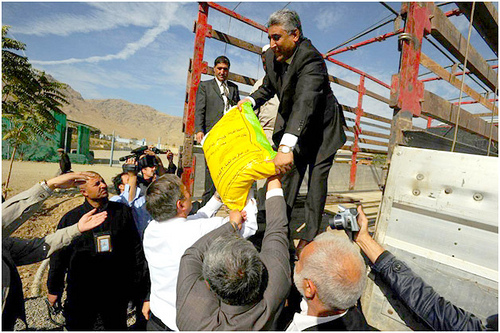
301 321
219 83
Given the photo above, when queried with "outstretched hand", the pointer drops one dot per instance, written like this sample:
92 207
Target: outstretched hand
283 162
89 221
368 245
241 102
236 216
68 180
363 225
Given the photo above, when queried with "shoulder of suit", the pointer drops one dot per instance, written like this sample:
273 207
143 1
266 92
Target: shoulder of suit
229 83
307 50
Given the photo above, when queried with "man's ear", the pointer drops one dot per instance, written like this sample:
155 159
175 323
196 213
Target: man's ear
181 206
296 35
309 288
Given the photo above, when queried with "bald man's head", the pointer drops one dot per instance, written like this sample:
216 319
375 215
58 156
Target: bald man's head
336 268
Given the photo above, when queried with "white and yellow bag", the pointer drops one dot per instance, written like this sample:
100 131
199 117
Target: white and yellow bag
238 153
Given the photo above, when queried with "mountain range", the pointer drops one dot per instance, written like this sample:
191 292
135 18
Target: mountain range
128 120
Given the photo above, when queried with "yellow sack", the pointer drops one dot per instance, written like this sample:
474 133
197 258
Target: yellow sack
238 153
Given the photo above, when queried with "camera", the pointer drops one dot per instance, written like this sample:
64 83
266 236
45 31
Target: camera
345 219
137 152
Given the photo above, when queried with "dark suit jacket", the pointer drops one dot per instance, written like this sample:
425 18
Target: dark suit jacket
210 104
199 309
308 109
353 320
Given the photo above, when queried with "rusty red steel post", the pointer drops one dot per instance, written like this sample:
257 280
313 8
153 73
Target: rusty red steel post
237 16
407 92
357 132
188 162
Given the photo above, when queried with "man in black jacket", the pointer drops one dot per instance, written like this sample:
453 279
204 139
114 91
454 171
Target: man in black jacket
308 128
17 252
432 309
104 266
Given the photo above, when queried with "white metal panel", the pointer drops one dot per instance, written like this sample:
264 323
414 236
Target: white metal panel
439 214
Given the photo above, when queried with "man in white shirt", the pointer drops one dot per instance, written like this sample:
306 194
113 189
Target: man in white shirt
331 275
169 234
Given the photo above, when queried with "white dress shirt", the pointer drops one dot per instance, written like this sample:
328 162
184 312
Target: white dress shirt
165 242
301 321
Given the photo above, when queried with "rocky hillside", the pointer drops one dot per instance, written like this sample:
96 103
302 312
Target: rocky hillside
128 120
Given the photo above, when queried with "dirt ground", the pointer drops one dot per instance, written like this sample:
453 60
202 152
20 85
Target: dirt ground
25 175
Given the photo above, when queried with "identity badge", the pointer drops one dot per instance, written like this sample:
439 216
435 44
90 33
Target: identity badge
103 243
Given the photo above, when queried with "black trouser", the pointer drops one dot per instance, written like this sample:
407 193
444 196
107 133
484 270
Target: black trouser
209 187
81 313
155 324
317 189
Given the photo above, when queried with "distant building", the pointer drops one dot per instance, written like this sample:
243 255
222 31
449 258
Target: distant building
46 150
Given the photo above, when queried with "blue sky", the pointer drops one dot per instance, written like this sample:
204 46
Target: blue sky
139 51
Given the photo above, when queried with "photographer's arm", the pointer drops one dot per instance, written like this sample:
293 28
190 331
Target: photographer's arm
171 166
368 245
415 293
132 180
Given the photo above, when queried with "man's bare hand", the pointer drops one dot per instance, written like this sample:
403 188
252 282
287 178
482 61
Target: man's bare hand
363 225
89 221
145 309
199 137
241 102
52 299
235 216
283 162
274 182
68 180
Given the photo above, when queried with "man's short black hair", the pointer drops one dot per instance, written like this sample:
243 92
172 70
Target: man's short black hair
222 60
117 181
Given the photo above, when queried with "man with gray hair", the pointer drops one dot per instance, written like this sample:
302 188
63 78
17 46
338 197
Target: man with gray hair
308 128
331 275
225 284
170 233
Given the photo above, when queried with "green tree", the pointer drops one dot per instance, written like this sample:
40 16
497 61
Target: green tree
29 97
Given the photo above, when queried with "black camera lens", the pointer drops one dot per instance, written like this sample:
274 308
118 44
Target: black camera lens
337 222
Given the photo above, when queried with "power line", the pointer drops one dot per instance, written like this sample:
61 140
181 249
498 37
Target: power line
361 34
390 8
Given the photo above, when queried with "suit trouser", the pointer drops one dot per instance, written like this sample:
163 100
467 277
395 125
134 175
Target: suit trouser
81 313
317 189
209 187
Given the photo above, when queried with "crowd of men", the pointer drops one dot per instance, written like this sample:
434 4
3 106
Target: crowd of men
185 268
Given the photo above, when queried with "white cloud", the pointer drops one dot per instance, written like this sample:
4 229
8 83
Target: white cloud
328 17
102 16
130 49
89 79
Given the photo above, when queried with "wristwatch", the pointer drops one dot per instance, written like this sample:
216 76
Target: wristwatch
284 149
